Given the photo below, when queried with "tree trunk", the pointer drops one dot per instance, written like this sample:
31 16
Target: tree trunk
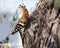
43 30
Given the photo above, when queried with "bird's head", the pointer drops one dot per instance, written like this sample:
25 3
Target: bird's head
24 10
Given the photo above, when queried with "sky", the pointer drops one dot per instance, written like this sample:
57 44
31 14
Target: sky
9 8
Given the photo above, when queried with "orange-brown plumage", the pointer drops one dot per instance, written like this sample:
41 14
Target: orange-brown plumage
24 18
22 21
24 10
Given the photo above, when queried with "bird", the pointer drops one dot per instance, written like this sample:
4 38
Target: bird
22 22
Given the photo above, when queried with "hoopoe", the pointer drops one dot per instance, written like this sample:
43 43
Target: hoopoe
23 21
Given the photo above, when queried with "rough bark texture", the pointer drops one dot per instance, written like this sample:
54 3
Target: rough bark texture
43 30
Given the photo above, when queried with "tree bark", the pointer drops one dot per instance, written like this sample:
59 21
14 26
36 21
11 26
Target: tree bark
43 30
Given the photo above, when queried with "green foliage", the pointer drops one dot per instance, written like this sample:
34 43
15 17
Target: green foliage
0 43
57 2
14 19
2 18
6 40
